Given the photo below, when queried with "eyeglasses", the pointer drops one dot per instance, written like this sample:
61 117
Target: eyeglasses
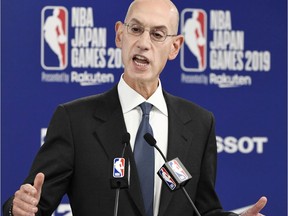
158 35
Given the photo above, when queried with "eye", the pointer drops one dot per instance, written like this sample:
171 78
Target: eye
158 34
136 29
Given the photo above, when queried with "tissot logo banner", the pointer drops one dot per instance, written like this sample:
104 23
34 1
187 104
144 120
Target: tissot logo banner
54 23
194 50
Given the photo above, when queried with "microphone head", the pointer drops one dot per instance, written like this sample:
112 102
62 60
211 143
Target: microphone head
150 139
126 138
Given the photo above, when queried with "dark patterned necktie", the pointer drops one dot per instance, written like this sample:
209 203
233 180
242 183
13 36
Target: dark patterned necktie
144 157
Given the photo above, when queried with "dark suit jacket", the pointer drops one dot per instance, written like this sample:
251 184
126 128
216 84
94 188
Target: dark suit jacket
85 135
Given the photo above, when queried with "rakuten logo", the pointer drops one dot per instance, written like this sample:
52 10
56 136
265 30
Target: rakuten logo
243 145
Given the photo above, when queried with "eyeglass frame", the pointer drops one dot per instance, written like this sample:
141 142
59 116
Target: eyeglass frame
150 32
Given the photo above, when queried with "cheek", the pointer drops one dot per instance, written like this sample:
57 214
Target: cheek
163 56
125 51
161 62
127 45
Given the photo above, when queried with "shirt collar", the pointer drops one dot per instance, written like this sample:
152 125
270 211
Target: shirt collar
130 99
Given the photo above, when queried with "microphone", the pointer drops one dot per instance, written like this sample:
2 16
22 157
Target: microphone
121 172
119 176
152 142
125 141
173 172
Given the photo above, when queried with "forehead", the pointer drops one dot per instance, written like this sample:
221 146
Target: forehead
151 13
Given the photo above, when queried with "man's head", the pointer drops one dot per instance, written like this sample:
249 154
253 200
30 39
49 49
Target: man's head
144 57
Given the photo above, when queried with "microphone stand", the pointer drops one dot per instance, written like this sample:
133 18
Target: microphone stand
151 141
125 140
117 200
190 200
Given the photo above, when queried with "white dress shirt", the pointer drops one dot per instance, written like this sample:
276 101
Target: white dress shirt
130 101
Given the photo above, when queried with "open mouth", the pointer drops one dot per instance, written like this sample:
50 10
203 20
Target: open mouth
140 60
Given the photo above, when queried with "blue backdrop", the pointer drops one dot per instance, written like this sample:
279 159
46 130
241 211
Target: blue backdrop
234 63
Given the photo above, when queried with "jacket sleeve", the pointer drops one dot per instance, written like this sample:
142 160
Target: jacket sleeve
206 197
55 160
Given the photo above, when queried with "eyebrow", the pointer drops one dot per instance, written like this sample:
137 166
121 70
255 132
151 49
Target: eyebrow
136 21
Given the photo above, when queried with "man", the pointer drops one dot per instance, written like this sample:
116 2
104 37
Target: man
84 135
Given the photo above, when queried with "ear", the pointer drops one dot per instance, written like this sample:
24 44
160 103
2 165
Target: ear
119 32
175 47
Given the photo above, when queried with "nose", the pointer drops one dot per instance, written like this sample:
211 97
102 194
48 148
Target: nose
144 41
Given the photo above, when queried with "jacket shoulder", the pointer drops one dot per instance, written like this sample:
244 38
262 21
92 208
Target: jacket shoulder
104 99
182 105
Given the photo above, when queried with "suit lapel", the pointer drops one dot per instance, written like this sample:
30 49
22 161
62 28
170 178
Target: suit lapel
178 139
109 132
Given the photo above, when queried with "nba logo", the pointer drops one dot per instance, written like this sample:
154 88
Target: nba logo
193 57
119 167
54 37
178 170
167 178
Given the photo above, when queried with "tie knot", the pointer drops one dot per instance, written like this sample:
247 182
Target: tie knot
146 108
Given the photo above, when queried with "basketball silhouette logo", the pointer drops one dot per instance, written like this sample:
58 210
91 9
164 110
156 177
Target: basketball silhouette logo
54 37
193 55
